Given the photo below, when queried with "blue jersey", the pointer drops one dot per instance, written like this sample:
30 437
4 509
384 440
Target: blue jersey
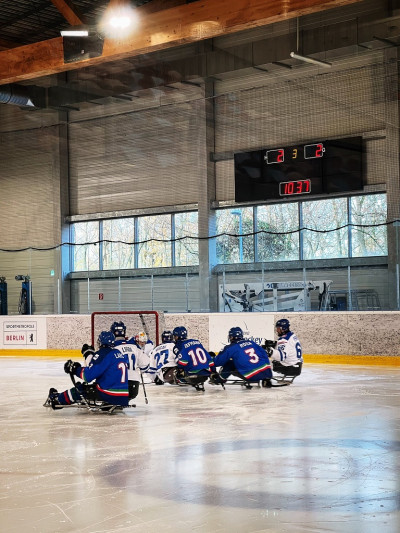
193 357
110 370
248 357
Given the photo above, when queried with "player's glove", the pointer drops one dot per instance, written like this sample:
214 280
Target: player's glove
269 344
70 367
180 373
87 350
216 379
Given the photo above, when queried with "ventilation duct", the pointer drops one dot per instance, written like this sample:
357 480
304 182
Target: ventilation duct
16 95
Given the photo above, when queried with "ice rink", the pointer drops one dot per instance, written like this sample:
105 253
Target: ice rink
321 455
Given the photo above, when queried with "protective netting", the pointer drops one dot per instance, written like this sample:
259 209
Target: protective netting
135 322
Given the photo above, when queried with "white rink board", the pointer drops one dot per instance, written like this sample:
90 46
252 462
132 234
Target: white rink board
29 332
256 327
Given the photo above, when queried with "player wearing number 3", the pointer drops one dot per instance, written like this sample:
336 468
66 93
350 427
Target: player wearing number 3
244 358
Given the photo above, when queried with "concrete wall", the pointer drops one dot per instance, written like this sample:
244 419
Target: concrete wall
344 333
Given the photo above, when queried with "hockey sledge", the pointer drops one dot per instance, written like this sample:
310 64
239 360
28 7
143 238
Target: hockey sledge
284 377
92 406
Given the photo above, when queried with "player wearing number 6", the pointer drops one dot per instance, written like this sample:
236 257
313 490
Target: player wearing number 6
244 359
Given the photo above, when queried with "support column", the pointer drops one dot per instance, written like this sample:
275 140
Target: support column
207 247
63 289
393 180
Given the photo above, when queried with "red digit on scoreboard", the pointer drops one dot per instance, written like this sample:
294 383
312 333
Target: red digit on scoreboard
319 151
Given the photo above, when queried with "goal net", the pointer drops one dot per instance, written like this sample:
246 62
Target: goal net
135 321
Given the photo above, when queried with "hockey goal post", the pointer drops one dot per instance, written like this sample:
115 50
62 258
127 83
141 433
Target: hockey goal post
135 321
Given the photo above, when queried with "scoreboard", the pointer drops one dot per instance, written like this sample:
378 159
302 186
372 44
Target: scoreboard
323 167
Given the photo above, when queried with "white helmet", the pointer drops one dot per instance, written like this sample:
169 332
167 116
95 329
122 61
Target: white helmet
141 337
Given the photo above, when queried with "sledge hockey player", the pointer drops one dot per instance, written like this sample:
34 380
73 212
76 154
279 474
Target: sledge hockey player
143 342
162 358
194 363
108 370
138 360
287 357
118 329
243 358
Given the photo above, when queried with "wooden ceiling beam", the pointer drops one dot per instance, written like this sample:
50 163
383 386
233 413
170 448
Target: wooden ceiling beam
69 12
159 30
5 45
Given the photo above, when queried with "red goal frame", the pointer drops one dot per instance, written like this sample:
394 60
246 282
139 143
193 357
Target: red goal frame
111 313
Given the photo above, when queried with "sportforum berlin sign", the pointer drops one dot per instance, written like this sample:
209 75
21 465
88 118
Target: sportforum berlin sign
23 333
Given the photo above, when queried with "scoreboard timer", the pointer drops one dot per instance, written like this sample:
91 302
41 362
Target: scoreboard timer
324 167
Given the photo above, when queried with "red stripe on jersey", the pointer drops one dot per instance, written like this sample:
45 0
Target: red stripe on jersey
66 398
113 392
255 372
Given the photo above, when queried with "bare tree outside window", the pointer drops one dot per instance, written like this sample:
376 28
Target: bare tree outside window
325 215
153 254
369 210
86 257
117 255
279 244
232 249
186 250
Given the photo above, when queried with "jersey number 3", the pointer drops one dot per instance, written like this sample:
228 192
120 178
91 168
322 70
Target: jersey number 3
253 357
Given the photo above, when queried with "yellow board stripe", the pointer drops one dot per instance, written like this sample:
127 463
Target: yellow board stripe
373 360
68 354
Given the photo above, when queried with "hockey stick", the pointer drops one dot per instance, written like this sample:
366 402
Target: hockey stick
144 389
141 375
80 395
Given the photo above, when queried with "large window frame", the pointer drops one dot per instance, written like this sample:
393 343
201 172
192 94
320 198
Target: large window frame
334 228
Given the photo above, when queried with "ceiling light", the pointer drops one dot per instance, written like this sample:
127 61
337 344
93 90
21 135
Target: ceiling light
119 19
75 32
309 59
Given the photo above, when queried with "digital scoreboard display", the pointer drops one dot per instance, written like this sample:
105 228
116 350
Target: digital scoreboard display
325 167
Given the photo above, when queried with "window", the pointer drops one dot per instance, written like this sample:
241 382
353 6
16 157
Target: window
151 252
369 210
325 216
277 243
232 249
86 256
117 255
186 250
336 223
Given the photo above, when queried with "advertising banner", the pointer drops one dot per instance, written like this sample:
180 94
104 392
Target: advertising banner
256 327
23 333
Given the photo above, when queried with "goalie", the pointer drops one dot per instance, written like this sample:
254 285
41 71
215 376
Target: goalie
108 370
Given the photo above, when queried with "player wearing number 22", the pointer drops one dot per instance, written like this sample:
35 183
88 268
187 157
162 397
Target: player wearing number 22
243 358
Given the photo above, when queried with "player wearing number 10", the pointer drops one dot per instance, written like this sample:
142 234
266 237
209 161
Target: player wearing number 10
191 355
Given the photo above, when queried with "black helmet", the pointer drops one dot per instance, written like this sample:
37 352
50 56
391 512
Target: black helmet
235 334
106 338
180 333
166 336
118 329
284 324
